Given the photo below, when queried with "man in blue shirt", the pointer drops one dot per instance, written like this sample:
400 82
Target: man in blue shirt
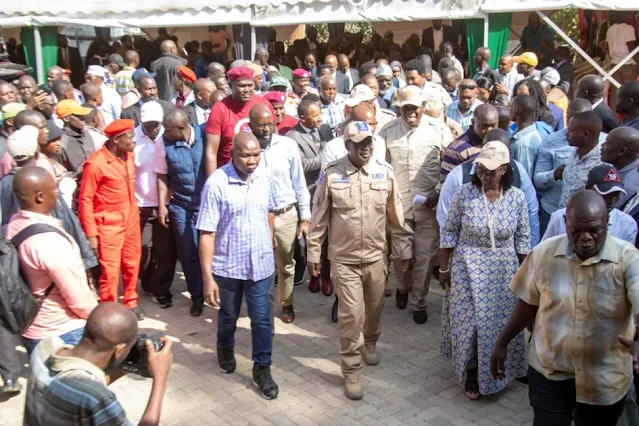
463 108
526 140
236 247
551 160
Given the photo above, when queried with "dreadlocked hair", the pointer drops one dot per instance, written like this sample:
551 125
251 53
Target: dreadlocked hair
538 94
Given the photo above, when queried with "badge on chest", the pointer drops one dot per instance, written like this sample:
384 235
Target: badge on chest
341 179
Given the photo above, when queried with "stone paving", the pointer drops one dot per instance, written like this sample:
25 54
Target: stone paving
412 384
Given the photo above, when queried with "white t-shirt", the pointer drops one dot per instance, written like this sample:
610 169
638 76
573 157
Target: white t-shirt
146 187
617 37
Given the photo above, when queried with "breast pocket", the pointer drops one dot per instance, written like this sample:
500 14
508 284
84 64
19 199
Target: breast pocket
342 195
379 193
560 158
610 296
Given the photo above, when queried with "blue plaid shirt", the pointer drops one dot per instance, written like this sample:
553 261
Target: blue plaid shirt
237 212
464 120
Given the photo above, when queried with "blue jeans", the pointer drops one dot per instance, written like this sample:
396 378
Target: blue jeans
183 223
231 291
72 338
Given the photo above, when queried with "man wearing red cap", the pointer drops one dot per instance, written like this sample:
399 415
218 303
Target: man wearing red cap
284 121
109 214
183 85
230 117
301 88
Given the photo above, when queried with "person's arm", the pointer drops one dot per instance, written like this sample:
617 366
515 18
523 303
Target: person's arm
213 137
444 267
394 208
631 232
207 223
159 367
163 191
450 160
523 239
544 173
88 188
321 214
449 237
532 206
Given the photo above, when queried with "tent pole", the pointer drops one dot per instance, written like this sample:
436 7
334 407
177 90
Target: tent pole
606 75
37 45
486 29
623 61
253 42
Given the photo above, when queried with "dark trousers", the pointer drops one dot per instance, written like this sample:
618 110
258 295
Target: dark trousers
183 223
159 254
9 362
325 264
554 403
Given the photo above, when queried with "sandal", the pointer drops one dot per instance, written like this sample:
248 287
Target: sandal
471 387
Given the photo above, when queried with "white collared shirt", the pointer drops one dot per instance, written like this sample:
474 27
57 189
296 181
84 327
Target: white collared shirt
201 114
146 188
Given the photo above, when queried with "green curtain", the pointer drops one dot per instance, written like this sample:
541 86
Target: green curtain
498 33
49 37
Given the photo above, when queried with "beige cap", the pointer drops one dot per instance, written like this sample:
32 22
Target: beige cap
434 108
492 155
357 131
23 143
360 93
411 95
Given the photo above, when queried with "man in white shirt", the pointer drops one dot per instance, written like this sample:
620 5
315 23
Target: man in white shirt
508 75
159 255
199 110
111 107
621 41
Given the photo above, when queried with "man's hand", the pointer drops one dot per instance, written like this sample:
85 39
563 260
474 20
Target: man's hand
313 269
36 100
304 227
407 264
559 172
211 291
163 216
160 362
93 244
497 360
431 202
502 89
633 348
444 280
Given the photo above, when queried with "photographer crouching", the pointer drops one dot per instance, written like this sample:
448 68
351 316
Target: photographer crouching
68 384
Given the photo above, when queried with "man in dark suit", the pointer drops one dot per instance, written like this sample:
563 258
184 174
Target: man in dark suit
346 77
438 33
148 90
563 64
199 111
165 68
69 58
591 88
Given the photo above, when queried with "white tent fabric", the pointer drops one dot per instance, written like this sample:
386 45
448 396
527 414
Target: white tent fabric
532 5
418 10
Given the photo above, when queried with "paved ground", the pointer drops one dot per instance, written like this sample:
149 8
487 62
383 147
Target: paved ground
411 385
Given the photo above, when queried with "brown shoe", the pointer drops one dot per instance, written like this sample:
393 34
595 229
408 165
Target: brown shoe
288 314
314 284
353 386
369 354
327 287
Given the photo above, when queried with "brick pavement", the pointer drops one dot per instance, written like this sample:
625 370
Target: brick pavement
411 385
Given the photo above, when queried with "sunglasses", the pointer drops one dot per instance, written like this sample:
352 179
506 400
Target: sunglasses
467 87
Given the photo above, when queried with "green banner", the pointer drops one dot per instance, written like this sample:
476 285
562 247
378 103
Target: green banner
498 34
49 37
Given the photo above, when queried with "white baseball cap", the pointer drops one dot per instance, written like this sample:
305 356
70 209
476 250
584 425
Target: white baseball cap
23 143
411 95
359 94
151 111
96 70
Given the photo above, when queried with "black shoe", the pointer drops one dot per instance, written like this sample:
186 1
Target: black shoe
420 317
334 310
401 299
163 301
263 380
139 313
226 359
196 309
11 387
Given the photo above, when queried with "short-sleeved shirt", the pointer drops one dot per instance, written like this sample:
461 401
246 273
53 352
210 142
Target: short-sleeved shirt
583 307
64 391
576 173
617 36
237 212
228 119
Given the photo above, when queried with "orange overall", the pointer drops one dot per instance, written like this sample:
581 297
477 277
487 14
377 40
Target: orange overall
108 210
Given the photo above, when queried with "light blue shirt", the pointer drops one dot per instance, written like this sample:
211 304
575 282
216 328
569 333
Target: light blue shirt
524 147
283 160
554 153
630 179
455 179
620 225
464 120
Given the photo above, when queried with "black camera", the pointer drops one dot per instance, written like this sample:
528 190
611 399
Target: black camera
137 361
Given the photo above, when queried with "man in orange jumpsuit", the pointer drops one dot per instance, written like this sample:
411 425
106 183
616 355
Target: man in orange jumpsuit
109 214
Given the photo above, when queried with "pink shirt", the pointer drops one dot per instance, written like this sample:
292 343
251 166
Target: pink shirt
7 163
47 258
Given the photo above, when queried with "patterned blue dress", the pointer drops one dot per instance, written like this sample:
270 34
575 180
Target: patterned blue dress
479 302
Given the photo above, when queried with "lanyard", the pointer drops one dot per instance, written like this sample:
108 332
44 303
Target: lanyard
490 219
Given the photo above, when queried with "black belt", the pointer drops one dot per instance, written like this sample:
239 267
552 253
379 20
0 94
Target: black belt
280 212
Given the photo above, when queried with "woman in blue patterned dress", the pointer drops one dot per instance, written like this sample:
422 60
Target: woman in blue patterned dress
485 238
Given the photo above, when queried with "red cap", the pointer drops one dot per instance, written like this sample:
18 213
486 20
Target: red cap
187 74
275 97
241 73
66 71
119 127
301 73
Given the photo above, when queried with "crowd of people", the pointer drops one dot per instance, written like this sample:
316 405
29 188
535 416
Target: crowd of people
516 188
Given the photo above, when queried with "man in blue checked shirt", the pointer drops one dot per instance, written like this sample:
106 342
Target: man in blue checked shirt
281 156
236 254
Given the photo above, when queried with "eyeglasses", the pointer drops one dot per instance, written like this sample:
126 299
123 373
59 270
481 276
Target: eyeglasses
489 173
467 87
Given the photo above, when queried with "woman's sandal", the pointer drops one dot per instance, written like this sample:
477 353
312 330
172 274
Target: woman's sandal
471 387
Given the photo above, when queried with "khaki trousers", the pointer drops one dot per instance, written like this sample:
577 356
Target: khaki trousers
421 237
360 290
285 233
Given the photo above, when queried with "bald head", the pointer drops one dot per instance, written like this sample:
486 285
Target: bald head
621 147
577 106
203 84
245 141
35 189
586 203
168 46
483 53
590 87
326 80
62 89
110 324
369 80
217 96
486 112
29 117
215 69
131 58
331 60
523 108
90 91
259 112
